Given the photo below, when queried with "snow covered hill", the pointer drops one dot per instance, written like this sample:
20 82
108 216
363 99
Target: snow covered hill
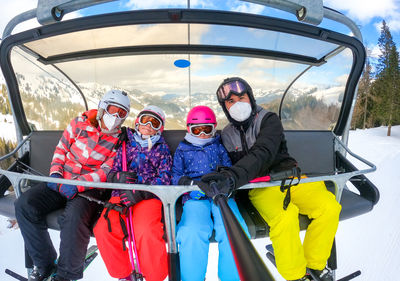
370 242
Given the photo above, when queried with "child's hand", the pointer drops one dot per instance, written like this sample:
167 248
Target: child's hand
130 198
122 177
197 194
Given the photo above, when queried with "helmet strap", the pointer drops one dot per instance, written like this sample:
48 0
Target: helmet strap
100 113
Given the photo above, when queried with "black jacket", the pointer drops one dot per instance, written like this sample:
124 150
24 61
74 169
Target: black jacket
268 153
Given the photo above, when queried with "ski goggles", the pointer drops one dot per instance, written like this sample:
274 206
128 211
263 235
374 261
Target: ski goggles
115 110
199 129
153 120
226 90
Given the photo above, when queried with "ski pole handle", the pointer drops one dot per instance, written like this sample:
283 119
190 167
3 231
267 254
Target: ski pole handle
294 172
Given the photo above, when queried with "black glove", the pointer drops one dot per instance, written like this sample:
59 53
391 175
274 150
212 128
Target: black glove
217 183
122 177
185 180
130 198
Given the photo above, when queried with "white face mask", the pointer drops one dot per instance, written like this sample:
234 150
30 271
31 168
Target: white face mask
240 111
111 121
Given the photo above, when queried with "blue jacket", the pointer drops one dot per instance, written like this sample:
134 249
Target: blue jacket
194 161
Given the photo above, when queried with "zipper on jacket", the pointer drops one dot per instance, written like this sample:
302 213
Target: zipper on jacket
243 139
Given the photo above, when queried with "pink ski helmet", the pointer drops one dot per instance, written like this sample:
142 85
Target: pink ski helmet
201 115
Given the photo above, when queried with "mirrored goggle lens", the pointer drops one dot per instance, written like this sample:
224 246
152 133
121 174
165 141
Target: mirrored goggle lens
154 122
199 129
115 110
233 87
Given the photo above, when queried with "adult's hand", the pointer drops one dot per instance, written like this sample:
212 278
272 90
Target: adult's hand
53 185
68 190
217 183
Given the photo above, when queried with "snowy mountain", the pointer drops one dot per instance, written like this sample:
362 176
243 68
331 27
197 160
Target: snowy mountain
42 92
370 242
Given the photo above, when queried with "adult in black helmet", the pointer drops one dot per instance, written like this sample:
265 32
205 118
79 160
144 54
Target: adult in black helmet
242 114
256 144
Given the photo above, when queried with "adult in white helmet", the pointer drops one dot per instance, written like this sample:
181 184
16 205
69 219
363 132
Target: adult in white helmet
113 109
85 152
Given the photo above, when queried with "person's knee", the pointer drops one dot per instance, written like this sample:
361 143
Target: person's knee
332 208
24 207
194 231
284 218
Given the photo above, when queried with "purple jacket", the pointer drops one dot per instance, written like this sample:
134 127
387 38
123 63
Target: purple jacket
152 167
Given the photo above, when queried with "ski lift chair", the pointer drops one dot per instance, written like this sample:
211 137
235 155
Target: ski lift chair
323 146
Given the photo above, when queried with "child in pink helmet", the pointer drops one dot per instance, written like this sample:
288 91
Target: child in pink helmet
201 152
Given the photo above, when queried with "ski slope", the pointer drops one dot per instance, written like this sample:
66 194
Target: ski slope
370 242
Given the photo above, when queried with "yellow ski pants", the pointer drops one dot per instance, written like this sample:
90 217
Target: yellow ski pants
311 199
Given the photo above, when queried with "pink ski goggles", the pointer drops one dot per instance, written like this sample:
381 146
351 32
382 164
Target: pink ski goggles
225 91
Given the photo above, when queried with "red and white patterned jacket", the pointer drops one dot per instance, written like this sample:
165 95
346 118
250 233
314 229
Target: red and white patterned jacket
84 152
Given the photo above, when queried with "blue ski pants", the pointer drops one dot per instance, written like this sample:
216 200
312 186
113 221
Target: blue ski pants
194 231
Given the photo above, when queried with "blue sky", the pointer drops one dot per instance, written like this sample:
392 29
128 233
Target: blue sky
367 14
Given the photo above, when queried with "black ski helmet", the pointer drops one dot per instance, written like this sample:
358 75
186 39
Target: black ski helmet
247 89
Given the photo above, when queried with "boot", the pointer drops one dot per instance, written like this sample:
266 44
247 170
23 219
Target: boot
306 277
59 278
325 274
35 274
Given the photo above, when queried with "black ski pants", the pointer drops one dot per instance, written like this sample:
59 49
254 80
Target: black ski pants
76 224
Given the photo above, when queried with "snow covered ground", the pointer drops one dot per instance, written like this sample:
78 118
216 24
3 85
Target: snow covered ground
370 242
7 127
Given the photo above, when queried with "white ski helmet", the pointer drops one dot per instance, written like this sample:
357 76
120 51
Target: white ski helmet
152 110
114 97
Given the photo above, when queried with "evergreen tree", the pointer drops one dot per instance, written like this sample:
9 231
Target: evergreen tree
386 88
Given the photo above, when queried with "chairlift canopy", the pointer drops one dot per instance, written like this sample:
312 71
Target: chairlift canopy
308 71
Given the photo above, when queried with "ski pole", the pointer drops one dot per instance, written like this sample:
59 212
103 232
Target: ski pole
248 262
129 224
119 209
134 242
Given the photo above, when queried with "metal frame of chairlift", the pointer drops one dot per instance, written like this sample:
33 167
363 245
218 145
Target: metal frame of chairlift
309 11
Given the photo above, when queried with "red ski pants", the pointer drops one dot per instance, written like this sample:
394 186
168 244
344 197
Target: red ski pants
150 244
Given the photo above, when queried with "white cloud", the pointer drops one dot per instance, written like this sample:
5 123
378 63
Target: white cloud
249 8
365 10
342 79
374 51
392 22
10 9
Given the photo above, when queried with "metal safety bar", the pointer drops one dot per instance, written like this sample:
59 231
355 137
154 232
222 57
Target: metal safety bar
169 196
